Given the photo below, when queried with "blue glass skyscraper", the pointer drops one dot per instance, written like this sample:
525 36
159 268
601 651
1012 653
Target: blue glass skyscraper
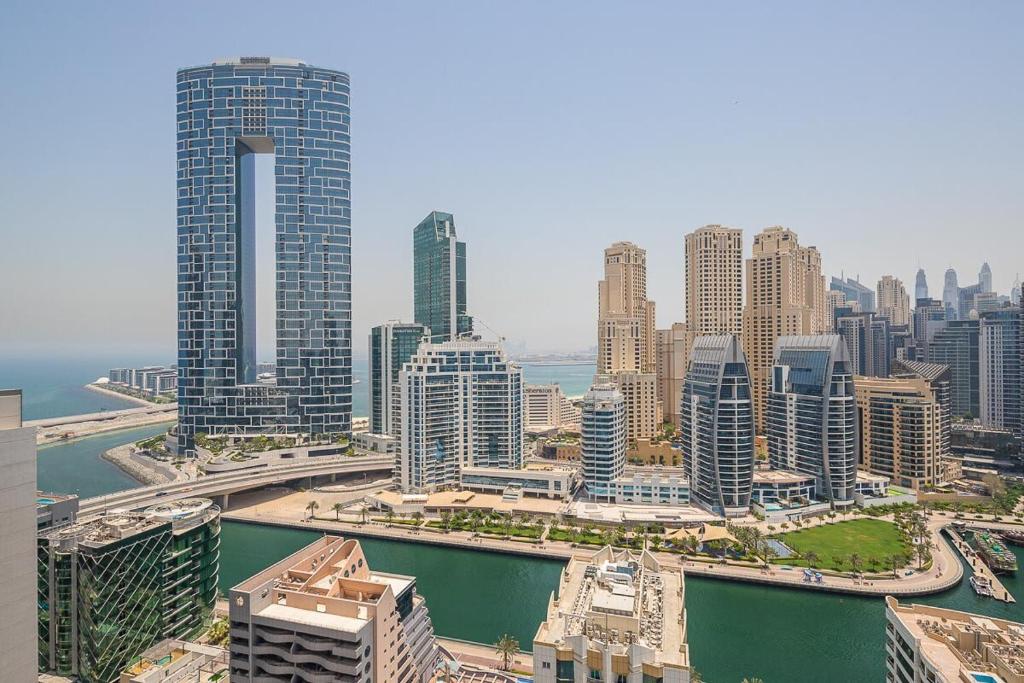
439 278
227 112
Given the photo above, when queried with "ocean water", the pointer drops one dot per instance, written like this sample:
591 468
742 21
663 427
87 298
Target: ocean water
55 388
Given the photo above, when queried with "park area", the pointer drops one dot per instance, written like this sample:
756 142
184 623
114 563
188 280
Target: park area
867 543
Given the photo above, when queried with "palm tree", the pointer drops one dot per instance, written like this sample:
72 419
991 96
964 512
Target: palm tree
508 648
312 507
811 558
338 507
389 516
446 520
417 517
506 525
364 514
856 562
894 560
692 544
923 550
475 518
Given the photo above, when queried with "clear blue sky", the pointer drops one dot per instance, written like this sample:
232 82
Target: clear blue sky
887 134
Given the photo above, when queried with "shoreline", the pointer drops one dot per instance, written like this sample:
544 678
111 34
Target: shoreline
562 553
117 394
84 430
121 458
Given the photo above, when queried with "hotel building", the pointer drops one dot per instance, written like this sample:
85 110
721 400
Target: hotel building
602 440
461 405
811 415
392 345
714 280
439 278
111 587
547 408
618 617
901 429
17 540
925 644
785 296
718 426
227 112
321 614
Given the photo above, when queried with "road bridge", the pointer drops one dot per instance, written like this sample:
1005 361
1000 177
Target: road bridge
221 486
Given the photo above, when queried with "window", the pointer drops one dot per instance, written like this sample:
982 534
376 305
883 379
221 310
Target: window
595 674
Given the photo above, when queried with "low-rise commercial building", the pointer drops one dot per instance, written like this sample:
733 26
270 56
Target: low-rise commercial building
618 617
552 481
925 644
652 452
178 661
376 443
55 509
322 614
666 486
778 486
112 586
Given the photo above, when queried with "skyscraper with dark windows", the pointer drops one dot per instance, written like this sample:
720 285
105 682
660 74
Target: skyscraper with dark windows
955 345
868 338
718 426
439 278
228 112
811 414
391 346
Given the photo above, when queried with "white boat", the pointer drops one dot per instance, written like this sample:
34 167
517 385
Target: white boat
981 585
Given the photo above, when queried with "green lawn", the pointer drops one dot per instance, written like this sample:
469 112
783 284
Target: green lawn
834 543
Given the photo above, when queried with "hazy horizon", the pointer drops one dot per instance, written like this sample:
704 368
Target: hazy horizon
889 137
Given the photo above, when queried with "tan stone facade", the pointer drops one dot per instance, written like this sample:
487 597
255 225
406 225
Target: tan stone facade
673 348
893 301
901 423
640 395
625 318
648 452
785 296
714 280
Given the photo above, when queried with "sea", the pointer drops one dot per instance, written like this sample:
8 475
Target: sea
56 387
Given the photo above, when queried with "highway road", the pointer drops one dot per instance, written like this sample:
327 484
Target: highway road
231 482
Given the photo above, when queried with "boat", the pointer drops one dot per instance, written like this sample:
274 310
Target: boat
1013 537
981 585
993 552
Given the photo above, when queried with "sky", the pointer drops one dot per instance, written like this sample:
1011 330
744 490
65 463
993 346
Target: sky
889 135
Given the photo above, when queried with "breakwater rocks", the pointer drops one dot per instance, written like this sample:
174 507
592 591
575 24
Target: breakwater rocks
136 467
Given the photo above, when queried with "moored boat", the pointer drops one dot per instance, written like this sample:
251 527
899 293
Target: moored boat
981 585
993 551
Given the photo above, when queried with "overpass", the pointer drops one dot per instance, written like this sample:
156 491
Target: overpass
221 486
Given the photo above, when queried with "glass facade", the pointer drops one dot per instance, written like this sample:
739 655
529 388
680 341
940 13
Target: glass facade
956 346
811 414
392 345
439 278
108 592
227 112
1000 379
603 440
718 426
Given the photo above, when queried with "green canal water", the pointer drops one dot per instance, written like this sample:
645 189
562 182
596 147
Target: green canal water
735 630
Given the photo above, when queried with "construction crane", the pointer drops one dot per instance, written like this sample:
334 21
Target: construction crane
490 329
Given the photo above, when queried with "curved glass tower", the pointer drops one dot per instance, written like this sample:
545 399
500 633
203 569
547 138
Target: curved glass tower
227 112
718 426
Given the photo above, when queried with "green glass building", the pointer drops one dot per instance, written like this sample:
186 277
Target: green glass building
112 586
392 345
439 278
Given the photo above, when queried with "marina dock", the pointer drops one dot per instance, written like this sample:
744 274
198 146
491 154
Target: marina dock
979 567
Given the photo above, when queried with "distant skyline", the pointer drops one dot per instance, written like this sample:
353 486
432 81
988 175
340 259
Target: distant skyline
888 136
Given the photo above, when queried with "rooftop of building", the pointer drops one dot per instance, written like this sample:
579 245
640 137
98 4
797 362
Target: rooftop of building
208 663
44 498
115 525
960 643
620 599
327 584
780 477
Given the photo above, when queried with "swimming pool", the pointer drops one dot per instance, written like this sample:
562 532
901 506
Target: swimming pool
985 678
45 501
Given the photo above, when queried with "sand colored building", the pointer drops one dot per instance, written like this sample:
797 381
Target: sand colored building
901 429
625 318
673 352
893 300
925 644
640 394
322 614
714 280
785 296
545 406
618 617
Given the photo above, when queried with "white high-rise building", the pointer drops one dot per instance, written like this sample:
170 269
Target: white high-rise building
18 636
603 440
460 405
